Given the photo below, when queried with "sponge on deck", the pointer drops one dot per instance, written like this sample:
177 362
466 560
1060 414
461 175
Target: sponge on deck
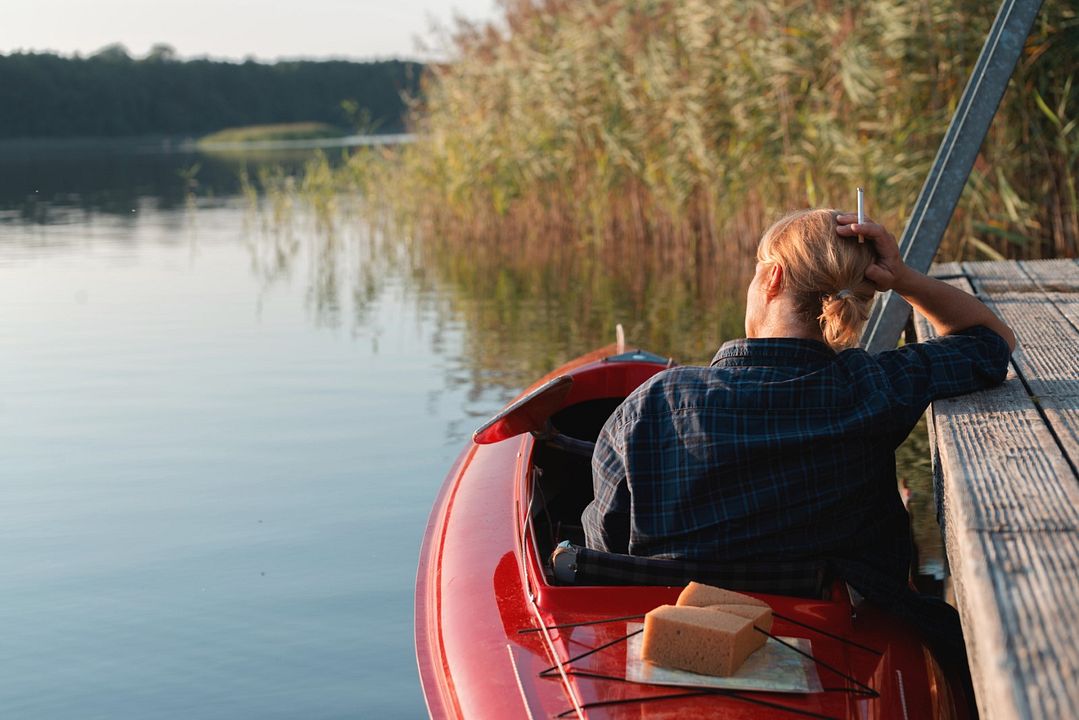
759 616
704 595
706 640
698 595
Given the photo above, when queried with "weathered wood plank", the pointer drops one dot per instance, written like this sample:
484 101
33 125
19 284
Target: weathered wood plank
1059 279
1053 275
1049 340
999 277
1013 546
946 270
1011 513
952 272
1068 305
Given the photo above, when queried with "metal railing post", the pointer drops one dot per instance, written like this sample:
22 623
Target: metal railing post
955 157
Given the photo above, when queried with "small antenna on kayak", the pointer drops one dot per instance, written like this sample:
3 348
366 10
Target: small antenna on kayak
619 338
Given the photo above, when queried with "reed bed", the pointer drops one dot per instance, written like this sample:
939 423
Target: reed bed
671 131
585 162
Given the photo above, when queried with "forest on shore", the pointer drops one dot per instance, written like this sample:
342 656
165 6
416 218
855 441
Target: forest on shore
111 94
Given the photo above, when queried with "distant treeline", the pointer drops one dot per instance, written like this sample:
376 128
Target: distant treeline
112 94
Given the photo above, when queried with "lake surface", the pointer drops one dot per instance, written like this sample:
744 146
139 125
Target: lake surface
215 477
223 429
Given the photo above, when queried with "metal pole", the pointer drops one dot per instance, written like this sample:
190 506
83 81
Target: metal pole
955 158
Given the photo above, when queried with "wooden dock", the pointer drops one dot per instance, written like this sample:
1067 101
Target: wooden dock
1006 470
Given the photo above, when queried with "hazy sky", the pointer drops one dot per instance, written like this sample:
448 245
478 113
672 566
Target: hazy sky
265 29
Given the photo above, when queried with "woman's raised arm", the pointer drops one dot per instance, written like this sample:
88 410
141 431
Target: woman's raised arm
947 308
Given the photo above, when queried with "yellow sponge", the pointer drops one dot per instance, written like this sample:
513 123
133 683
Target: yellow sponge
705 640
705 595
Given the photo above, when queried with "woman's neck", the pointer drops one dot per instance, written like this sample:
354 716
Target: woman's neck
780 319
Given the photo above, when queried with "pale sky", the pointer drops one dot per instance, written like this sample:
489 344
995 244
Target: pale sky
234 29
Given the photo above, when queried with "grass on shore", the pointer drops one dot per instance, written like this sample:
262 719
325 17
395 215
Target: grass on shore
627 155
675 130
273 132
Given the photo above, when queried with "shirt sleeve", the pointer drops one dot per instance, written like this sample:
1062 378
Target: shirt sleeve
606 518
962 362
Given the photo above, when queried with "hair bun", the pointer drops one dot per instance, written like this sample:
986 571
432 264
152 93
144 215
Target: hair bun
817 260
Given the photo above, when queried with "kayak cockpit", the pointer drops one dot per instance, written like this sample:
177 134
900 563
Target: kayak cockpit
564 415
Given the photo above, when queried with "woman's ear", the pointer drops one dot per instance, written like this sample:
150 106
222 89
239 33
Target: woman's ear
774 282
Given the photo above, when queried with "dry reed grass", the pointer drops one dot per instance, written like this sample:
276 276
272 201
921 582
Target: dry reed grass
588 162
670 131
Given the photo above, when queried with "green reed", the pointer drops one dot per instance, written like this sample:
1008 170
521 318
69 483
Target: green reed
674 130
624 157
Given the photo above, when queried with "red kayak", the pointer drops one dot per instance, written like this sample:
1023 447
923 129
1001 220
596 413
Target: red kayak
514 619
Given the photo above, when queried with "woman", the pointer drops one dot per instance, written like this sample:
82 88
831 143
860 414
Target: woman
784 447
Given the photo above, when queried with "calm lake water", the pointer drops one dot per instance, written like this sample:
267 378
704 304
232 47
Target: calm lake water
222 434
217 470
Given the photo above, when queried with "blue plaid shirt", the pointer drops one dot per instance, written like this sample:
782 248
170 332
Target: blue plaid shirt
780 449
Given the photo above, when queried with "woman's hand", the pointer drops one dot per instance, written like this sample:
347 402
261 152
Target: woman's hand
888 270
948 309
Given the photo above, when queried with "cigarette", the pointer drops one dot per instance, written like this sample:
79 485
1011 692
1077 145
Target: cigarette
861 212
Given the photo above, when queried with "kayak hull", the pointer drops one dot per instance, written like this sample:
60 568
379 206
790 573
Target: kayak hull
484 603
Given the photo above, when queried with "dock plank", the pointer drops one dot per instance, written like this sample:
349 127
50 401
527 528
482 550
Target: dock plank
1052 274
1059 279
1012 544
1049 339
1010 501
946 270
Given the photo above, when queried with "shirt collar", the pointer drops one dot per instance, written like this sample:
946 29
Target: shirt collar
772 351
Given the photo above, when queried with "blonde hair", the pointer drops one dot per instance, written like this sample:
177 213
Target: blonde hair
824 273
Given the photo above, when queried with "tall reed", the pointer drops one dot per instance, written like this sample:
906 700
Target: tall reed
670 132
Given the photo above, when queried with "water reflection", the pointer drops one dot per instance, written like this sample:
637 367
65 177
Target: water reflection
331 415
213 505
46 182
519 312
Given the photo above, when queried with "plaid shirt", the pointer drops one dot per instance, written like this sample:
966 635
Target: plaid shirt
781 449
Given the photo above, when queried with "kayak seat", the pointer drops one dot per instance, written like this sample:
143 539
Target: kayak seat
576 565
